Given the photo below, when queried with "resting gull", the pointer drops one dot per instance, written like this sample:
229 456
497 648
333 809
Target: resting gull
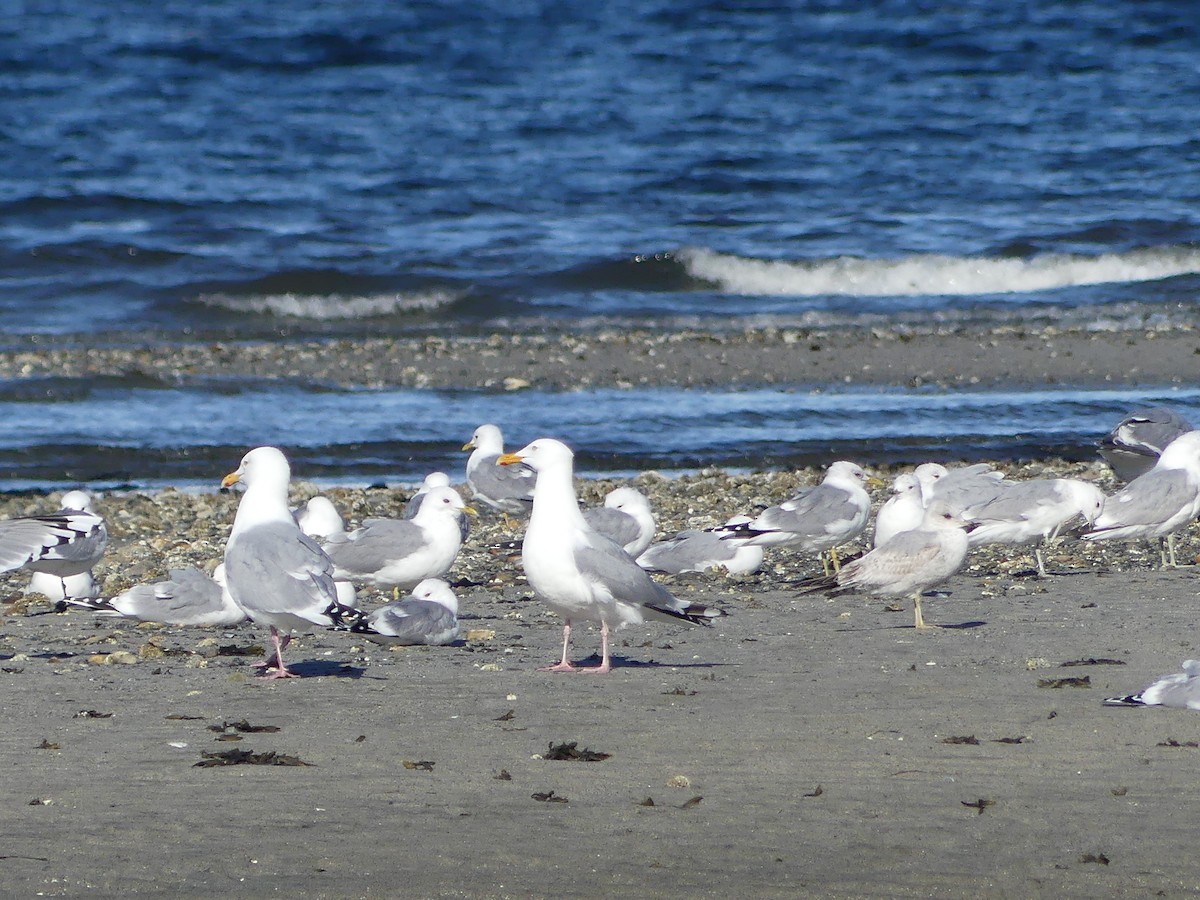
274 571
903 511
186 597
1157 504
319 518
581 574
62 544
1181 690
506 488
429 615
625 517
956 489
1134 445
700 551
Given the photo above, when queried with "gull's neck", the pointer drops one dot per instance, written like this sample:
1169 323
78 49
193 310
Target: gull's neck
262 504
554 501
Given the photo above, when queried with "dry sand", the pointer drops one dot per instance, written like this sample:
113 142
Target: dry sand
802 746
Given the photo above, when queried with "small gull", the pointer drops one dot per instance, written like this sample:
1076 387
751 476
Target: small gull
581 574
1181 690
625 517
699 551
903 511
506 488
274 571
908 564
319 518
62 544
818 519
432 480
1157 504
1033 511
186 597
429 615
1134 445
400 553
959 488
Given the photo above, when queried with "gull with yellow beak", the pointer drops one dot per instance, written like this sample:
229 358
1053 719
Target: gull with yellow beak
579 573
274 571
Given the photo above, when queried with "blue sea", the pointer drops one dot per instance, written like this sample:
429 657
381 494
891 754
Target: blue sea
178 172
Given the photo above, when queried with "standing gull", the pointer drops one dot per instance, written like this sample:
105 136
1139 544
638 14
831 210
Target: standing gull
1135 443
429 615
1157 504
1181 690
62 544
506 488
274 571
186 597
699 551
903 511
399 553
818 519
625 517
908 564
581 574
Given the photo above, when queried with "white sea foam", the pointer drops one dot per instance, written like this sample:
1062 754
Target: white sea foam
327 307
932 274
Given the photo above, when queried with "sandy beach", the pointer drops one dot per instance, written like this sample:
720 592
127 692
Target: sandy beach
800 746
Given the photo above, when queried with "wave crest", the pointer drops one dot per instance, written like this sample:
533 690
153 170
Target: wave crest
930 274
332 307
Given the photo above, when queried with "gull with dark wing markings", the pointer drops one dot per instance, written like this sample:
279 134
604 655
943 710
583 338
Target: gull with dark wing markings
1135 443
62 545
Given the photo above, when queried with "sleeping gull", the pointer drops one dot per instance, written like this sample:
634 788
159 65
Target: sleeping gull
1029 511
1157 504
186 597
581 574
319 518
399 553
1134 444
908 564
903 511
699 551
818 519
274 571
62 544
1181 690
506 488
626 518
429 615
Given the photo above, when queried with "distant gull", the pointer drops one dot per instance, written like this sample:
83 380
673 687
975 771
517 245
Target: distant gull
506 488
903 511
701 551
391 553
581 574
1181 690
625 517
319 518
429 615
958 488
186 597
818 519
1029 511
274 571
432 480
62 544
1134 444
1157 504
907 564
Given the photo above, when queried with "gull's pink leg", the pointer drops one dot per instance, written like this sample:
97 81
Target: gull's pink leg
605 665
565 664
281 671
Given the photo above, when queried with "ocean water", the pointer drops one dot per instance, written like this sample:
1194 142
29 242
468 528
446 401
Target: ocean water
231 170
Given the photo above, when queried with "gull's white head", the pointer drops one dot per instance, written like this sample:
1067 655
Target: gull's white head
487 438
540 455
436 591
79 500
435 480
261 466
441 501
626 499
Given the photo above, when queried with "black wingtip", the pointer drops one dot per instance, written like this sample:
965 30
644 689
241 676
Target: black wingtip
1129 700
347 618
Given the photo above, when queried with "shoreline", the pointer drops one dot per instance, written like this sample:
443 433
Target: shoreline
950 359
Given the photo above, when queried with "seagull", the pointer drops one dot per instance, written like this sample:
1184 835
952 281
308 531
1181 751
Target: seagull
62 544
1031 511
1181 690
432 480
909 563
699 551
581 574
429 615
319 518
186 597
399 553
958 488
626 518
274 571
1157 504
903 511
508 489
1134 445
818 519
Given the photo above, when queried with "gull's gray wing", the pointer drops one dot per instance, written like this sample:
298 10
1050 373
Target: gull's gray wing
601 560
812 512
614 524
413 622
367 549
689 551
75 538
277 569
1148 500
495 483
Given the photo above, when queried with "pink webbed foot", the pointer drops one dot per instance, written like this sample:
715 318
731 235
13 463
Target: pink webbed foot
563 666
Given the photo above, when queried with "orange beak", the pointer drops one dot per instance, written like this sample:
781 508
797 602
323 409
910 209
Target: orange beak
508 459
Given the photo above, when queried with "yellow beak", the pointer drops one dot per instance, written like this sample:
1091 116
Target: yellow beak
471 511
230 480
876 482
508 459
469 445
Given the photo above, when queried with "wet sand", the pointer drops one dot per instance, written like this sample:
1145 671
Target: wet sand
802 746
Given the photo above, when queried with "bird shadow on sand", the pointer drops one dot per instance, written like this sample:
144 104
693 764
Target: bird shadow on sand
325 668
624 662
